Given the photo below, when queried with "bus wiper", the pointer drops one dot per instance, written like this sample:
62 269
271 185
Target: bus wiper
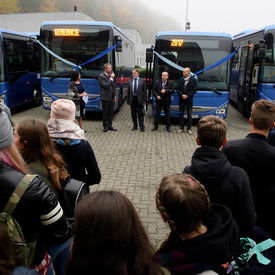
54 77
214 90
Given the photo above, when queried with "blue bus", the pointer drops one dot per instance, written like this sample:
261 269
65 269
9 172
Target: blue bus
75 42
253 76
198 51
19 69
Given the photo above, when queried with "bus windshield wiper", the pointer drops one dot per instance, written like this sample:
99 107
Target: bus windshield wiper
214 90
55 76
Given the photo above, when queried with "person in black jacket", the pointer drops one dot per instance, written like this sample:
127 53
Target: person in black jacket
186 91
38 210
257 158
162 90
71 143
136 97
203 237
225 184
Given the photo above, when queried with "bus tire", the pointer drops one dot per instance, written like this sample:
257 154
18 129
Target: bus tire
36 96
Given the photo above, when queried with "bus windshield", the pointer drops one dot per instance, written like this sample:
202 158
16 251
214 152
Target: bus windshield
267 74
196 52
76 44
3 74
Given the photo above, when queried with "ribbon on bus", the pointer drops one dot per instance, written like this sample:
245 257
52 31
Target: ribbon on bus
71 63
176 66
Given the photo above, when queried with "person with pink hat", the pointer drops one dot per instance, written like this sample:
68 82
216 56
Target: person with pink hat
71 143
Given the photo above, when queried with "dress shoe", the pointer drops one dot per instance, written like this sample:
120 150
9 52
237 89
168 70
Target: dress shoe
142 129
134 128
154 129
112 129
189 132
180 131
105 129
168 130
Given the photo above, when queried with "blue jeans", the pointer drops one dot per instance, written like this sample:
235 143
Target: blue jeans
59 256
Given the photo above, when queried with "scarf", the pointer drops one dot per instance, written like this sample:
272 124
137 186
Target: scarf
63 128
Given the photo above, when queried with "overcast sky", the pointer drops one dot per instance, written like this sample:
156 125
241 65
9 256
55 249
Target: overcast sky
232 16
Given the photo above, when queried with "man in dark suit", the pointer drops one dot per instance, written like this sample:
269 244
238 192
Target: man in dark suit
186 91
162 90
257 158
136 97
107 97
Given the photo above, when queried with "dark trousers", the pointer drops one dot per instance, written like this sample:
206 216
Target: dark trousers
166 109
189 117
108 110
136 109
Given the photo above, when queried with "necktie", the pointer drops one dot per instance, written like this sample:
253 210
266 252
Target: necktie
135 87
163 85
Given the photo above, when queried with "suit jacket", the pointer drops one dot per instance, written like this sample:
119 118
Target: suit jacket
106 87
257 158
141 91
169 90
190 90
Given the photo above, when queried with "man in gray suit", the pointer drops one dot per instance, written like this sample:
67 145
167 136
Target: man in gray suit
106 82
136 97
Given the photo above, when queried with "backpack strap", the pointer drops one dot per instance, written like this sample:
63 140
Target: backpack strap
18 193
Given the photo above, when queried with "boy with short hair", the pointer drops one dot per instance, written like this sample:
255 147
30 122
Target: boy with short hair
225 184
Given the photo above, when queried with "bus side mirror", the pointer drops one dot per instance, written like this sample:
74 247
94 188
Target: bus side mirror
262 49
235 58
149 55
118 47
8 47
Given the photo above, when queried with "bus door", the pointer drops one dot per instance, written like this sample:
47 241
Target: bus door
243 81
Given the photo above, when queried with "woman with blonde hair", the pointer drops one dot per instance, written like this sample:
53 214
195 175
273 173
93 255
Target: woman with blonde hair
203 237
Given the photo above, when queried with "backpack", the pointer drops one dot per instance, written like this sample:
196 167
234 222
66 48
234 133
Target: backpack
22 252
73 191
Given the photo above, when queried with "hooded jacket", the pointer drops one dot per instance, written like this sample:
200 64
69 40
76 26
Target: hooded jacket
226 184
208 251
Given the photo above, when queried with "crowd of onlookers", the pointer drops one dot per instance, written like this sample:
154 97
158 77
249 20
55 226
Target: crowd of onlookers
226 193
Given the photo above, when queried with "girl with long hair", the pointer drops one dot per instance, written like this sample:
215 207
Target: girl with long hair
37 149
203 237
109 238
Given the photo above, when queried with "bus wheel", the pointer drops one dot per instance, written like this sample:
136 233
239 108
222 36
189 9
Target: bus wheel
36 97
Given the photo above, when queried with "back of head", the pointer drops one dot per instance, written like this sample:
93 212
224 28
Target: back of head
63 109
183 202
263 114
34 136
6 131
211 131
109 237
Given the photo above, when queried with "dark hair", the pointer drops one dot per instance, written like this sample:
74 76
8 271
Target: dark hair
75 75
183 202
263 114
6 262
211 131
109 237
38 145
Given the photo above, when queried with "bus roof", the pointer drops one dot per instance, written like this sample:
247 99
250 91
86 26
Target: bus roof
87 23
213 34
26 34
249 32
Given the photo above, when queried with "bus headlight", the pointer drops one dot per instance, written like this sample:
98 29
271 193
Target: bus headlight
47 100
221 110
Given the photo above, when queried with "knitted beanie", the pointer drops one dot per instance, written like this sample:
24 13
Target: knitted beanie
6 131
6 110
63 109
